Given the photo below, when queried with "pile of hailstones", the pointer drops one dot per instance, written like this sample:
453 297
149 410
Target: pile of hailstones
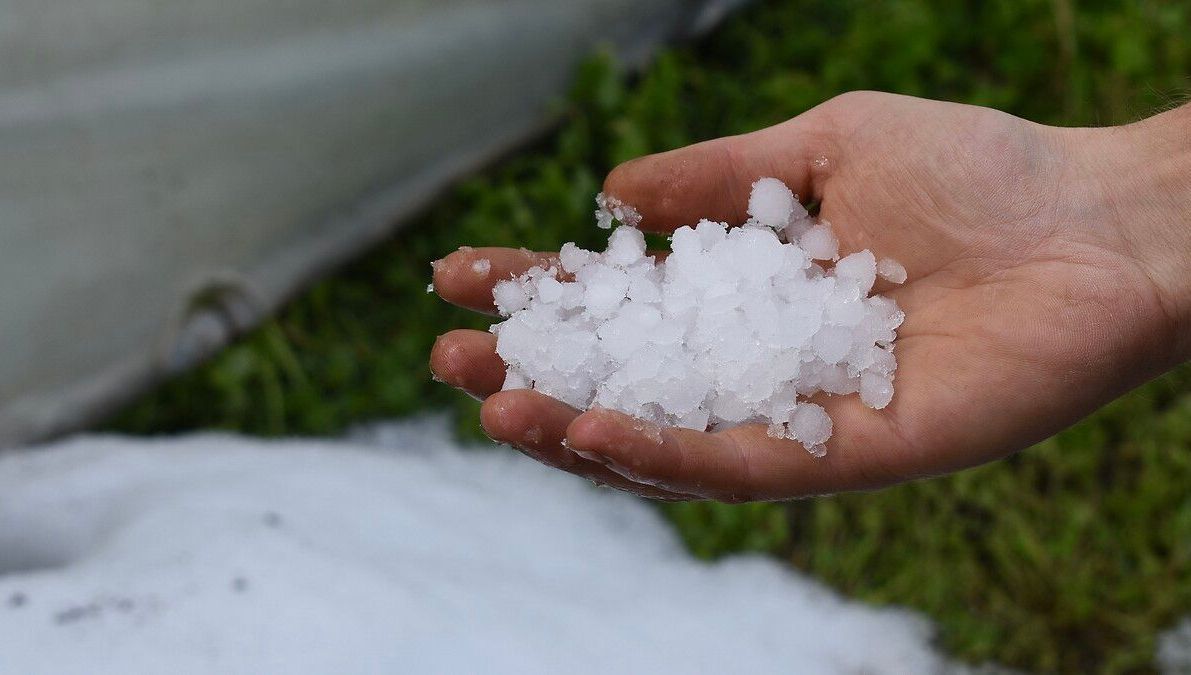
735 326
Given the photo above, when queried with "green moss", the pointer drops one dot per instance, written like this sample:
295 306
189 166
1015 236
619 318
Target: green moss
1069 557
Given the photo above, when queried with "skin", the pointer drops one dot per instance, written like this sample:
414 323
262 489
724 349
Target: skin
1049 272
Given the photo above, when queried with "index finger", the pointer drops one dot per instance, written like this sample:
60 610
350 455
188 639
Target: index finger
712 179
466 276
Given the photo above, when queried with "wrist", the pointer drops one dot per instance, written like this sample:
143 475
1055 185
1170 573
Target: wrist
1144 170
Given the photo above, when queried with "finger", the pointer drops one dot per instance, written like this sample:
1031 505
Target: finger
712 179
536 424
467 360
739 464
466 277
673 459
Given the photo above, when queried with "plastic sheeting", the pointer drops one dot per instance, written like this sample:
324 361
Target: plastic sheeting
170 171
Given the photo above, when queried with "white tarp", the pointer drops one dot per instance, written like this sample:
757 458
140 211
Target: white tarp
169 171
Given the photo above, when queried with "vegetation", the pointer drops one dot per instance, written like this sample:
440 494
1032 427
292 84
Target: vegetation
1069 557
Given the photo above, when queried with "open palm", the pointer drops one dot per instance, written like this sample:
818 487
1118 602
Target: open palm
1025 309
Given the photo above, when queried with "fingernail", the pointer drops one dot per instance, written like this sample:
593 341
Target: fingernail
605 461
626 472
575 454
591 456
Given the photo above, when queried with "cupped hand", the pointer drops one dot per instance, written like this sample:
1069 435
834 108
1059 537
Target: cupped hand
1031 299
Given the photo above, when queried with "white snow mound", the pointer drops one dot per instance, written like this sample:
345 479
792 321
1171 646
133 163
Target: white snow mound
394 552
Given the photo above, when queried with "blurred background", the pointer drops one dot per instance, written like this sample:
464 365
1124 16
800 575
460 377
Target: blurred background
1073 557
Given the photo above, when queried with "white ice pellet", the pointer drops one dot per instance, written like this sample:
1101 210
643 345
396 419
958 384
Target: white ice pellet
625 247
550 290
509 296
876 390
859 270
820 243
810 424
832 343
515 380
891 270
572 258
771 203
482 267
610 208
735 326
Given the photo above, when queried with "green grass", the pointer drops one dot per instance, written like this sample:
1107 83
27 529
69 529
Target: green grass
1069 557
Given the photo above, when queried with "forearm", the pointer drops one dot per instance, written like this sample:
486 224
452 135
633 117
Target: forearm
1145 173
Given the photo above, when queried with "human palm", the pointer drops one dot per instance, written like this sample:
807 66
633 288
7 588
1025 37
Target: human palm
1024 308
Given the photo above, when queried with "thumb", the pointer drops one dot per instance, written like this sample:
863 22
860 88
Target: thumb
712 179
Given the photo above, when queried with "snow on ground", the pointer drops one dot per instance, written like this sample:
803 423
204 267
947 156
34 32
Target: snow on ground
1174 649
394 551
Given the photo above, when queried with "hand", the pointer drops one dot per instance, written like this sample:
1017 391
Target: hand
1048 274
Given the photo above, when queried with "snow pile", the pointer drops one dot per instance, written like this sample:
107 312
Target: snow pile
736 325
1173 656
396 551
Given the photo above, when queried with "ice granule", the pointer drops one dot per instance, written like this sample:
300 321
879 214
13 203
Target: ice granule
891 271
482 267
810 425
820 243
876 389
510 296
857 271
610 208
771 203
736 326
